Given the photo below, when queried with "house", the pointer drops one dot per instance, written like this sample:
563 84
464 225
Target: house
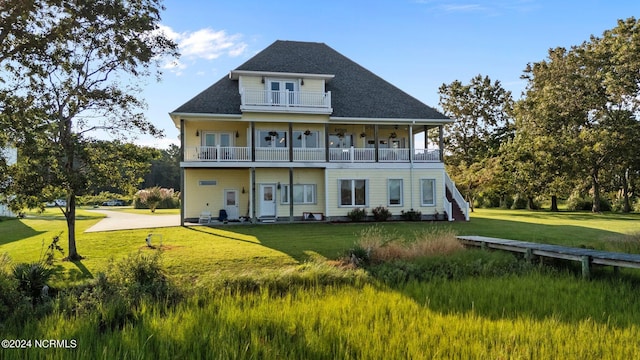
10 156
301 132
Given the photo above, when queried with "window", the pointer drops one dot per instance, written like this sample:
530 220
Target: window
395 192
207 182
353 192
305 139
215 138
340 140
428 192
280 89
271 139
302 194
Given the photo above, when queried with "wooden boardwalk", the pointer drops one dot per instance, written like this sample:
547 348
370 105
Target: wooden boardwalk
530 250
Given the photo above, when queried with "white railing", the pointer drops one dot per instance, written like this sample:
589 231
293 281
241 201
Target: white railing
286 98
352 154
457 196
217 153
426 155
393 155
448 208
272 154
308 154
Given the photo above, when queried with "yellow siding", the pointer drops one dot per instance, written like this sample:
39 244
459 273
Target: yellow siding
251 82
300 176
198 127
201 198
378 189
315 85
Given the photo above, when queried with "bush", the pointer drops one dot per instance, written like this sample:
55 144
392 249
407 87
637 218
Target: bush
140 276
156 198
381 213
357 214
101 198
578 203
519 202
32 278
10 297
411 215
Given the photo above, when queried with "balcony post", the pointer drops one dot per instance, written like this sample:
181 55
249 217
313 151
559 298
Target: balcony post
376 145
351 153
326 142
441 141
218 152
290 139
411 146
253 141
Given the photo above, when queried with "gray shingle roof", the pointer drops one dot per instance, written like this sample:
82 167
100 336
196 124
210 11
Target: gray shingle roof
355 91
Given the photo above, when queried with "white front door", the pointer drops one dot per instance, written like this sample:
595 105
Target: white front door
231 204
267 200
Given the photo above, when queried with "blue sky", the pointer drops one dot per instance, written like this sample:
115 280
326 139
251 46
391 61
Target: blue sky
417 45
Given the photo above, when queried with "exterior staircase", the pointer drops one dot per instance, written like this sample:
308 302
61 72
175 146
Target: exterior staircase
459 208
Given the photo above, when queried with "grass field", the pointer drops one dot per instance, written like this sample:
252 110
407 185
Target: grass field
539 314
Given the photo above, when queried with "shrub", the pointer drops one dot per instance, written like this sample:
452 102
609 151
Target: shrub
9 295
357 214
519 202
411 215
577 203
140 276
156 198
102 197
32 278
381 213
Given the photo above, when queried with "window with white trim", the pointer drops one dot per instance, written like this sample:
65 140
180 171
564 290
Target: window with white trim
428 192
353 192
306 139
272 139
395 192
302 194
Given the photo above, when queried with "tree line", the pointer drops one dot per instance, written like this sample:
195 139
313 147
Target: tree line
574 134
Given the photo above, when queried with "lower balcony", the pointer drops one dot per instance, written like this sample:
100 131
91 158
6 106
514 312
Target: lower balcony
352 154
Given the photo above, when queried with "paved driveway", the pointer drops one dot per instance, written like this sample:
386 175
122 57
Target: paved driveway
120 220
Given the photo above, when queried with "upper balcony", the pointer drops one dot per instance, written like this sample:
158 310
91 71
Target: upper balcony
308 102
349 155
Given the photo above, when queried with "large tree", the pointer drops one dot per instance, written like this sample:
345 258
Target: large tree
582 98
482 121
72 68
165 169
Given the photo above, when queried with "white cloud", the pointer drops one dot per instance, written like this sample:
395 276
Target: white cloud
206 44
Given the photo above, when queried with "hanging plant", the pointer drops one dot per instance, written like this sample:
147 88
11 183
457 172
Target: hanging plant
307 132
393 135
363 134
273 133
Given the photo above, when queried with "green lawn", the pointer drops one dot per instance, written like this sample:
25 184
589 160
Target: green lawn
543 314
200 252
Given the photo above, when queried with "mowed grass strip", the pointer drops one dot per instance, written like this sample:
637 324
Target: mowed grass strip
199 252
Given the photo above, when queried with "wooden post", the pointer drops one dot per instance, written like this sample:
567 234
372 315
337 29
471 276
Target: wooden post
528 256
586 267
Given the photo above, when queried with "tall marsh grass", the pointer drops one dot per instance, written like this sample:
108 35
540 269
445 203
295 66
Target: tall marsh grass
333 322
377 245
